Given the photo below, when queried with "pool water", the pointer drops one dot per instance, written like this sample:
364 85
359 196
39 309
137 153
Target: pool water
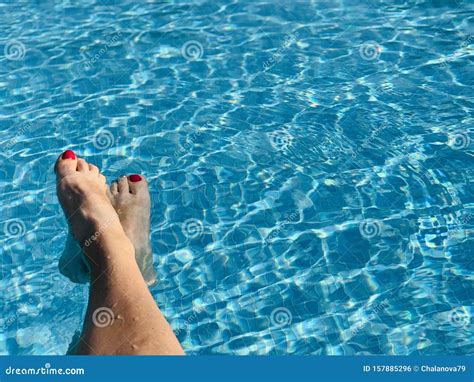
310 166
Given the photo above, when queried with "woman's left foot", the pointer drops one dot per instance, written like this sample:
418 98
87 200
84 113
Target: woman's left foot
131 199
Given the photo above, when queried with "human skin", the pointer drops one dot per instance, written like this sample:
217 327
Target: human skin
121 317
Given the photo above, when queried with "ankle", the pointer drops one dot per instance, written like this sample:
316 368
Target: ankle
111 239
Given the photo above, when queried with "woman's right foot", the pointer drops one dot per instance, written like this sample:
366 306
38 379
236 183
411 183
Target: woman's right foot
131 199
82 193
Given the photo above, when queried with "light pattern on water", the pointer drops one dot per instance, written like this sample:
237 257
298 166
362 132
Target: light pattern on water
310 166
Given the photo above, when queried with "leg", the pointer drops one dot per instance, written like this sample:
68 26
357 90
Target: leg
134 324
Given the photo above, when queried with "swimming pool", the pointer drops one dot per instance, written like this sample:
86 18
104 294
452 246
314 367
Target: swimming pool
310 164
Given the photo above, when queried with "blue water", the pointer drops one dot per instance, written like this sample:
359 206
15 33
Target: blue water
310 165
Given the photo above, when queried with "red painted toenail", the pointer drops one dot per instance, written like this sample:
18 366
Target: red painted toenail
68 154
135 178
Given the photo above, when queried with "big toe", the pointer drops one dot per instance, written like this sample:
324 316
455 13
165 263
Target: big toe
66 164
138 184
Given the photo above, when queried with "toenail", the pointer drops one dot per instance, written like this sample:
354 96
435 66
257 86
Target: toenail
135 178
68 154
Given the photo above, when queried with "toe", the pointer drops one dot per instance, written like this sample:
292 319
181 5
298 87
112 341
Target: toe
66 164
114 188
137 184
82 165
93 169
110 195
123 184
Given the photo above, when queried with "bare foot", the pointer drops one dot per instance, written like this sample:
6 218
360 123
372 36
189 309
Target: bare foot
82 193
131 199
